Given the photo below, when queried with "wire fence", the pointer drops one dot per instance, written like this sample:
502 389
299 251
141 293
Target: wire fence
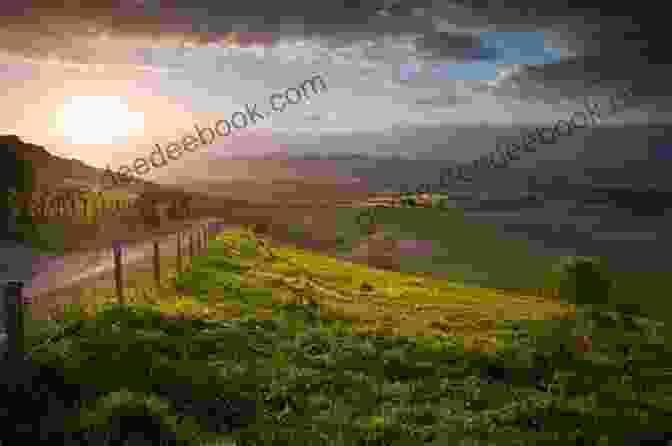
189 243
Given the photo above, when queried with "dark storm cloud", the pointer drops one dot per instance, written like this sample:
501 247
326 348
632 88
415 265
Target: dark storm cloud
463 47
615 48
52 28
616 42
629 50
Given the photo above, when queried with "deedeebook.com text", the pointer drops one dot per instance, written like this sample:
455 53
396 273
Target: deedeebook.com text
224 127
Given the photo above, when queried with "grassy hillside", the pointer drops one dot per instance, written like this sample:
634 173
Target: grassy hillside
274 345
466 252
475 254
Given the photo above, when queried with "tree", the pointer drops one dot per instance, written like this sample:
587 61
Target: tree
585 281
19 233
18 185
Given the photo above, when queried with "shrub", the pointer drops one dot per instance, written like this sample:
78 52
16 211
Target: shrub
442 203
125 415
584 281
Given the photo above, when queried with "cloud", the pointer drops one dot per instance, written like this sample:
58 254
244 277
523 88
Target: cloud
457 46
442 101
187 44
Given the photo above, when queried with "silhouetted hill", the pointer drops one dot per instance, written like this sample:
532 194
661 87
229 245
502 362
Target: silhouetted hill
55 173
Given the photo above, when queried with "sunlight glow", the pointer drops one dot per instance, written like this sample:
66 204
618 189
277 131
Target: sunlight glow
99 120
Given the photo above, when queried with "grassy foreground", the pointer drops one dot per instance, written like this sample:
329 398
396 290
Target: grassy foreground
272 345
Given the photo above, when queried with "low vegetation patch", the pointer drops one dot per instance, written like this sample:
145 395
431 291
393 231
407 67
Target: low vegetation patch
275 345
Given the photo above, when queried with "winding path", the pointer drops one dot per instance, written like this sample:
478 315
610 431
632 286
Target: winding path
55 277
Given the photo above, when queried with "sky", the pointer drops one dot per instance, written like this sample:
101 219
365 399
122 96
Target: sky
105 83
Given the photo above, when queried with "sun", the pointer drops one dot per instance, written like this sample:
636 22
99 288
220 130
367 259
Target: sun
98 120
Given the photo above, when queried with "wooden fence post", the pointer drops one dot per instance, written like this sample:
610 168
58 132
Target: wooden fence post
157 265
14 318
117 272
191 248
179 252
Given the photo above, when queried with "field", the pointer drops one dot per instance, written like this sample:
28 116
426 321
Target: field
475 255
272 344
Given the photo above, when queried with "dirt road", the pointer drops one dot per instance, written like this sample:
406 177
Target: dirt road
55 276
58 280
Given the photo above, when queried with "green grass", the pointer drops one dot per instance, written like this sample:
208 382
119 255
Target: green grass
46 238
470 253
301 380
316 384
475 255
50 238
296 232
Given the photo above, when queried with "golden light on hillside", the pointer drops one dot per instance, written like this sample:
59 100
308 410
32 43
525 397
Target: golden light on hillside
98 120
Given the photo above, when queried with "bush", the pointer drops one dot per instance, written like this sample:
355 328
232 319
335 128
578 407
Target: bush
584 281
124 415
